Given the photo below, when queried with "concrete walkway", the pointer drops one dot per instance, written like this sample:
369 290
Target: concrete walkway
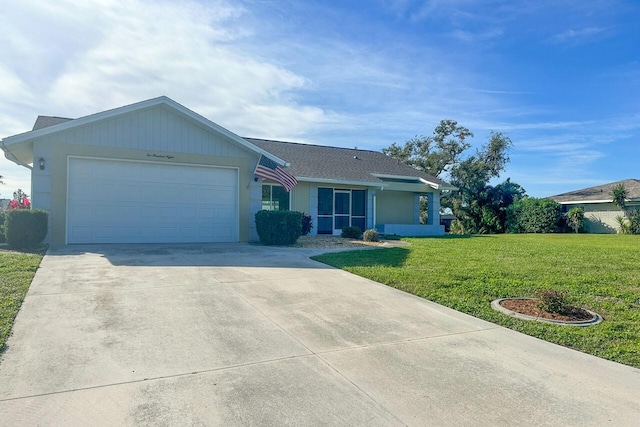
245 335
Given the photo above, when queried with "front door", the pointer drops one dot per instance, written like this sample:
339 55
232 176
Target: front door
342 213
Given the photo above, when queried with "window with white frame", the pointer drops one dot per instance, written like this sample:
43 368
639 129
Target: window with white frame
275 198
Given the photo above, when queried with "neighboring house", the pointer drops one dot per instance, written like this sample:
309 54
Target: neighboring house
157 172
599 210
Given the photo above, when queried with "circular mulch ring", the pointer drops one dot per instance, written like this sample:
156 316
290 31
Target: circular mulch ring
527 309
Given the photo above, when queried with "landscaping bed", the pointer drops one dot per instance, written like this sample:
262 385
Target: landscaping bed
599 273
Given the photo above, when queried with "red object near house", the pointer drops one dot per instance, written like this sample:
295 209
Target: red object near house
21 204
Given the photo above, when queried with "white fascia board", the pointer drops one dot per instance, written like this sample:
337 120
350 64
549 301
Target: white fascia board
584 202
162 100
342 182
587 202
433 185
208 123
440 187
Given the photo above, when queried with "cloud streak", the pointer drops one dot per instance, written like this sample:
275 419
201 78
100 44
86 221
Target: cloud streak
579 36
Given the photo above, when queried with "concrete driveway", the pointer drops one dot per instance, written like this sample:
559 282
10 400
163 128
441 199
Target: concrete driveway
246 335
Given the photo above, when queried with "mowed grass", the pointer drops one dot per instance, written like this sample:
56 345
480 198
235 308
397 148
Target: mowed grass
600 272
16 272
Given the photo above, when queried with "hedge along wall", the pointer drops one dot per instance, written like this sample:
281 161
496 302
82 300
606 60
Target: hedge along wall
25 228
279 227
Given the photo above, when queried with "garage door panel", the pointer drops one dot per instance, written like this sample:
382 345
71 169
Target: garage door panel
127 202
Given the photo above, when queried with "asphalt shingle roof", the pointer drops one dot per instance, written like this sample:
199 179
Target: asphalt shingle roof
318 161
600 192
343 164
46 121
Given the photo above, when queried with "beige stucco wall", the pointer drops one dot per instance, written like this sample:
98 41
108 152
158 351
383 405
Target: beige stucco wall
600 217
300 198
394 207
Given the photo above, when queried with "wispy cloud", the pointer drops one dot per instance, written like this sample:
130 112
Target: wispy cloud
500 92
185 50
579 36
475 37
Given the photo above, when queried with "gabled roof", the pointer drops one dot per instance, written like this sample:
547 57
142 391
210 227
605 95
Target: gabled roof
325 164
46 121
64 124
600 193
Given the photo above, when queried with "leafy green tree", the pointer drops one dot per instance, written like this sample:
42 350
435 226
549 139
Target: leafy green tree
479 206
487 211
533 215
575 218
434 154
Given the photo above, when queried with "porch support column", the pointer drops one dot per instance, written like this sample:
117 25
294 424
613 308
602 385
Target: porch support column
433 208
416 208
371 208
313 208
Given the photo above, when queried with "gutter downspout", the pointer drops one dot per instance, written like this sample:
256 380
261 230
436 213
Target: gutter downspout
13 158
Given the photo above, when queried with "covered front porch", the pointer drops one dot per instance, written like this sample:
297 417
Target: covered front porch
399 213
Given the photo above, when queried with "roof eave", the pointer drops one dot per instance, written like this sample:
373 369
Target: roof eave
578 202
162 100
575 202
434 185
341 182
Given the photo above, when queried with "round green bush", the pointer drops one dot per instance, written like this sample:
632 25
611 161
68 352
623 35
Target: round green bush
351 232
371 235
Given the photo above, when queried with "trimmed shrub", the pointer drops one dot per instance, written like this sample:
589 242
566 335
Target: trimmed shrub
2 238
532 215
25 228
371 235
307 224
351 232
279 227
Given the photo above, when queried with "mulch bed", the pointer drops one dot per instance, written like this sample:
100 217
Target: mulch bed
530 308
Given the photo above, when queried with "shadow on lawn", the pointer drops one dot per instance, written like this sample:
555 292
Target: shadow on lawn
388 257
454 236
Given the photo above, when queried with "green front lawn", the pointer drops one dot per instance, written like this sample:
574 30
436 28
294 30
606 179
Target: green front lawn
16 272
601 273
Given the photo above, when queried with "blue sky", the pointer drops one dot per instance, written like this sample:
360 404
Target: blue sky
560 78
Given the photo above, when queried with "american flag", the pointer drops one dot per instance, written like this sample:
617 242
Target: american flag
269 169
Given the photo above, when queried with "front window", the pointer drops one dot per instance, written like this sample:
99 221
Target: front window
274 198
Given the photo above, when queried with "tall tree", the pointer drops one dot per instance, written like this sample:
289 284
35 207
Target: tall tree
479 206
434 154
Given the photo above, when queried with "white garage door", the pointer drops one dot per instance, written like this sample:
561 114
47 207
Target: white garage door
137 202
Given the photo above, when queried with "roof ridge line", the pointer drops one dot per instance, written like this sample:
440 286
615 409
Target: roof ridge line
311 145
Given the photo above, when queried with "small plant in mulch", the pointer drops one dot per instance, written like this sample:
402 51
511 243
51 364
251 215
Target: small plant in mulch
553 301
549 304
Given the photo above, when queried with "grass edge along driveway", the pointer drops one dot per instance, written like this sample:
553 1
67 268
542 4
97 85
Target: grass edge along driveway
16 273
600 272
